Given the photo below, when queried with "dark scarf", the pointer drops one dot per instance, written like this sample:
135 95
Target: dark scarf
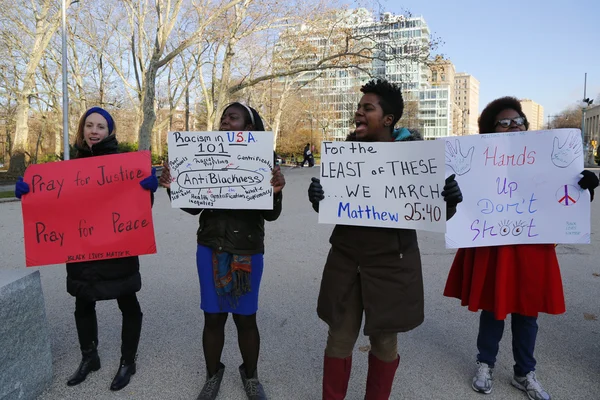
108 145
232 276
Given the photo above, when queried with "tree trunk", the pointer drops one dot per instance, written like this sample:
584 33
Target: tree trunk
40 137
149 116
20 147
101 73
45 27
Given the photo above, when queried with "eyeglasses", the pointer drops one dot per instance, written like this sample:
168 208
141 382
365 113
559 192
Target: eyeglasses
505 123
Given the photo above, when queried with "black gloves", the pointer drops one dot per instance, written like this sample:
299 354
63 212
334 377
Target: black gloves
315 193
451 193
589 182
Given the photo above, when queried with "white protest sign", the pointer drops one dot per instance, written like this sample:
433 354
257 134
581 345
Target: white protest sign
518 187
383 184
227 170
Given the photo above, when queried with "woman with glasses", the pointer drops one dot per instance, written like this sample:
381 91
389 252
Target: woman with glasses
521 280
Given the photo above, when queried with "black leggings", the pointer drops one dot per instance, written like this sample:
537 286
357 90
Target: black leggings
213 340
87 324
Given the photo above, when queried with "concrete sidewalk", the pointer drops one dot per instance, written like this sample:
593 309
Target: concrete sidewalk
437 358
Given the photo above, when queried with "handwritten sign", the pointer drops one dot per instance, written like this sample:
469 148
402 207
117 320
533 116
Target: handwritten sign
88 209
227 170
391 185
518 187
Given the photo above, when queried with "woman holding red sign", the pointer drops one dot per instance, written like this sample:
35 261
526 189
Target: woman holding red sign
521 280
116 278
230 264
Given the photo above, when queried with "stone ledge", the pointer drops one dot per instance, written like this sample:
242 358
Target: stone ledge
26 361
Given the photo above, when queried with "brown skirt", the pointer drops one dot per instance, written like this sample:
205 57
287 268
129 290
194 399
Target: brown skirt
386 264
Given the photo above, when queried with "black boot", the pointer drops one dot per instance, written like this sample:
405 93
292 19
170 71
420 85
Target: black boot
130 336
211 387
123 376
89 362
254 390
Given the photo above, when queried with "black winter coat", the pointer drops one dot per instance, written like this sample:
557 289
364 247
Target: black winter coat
236 231
103 279
390 279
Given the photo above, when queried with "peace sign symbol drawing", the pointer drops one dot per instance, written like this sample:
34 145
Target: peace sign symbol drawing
567 195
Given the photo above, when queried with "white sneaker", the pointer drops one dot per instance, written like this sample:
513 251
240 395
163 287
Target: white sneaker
483 379
530 385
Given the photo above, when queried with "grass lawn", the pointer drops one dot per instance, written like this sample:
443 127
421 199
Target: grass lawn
7 195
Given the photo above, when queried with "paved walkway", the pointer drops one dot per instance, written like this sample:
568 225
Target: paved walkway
437 358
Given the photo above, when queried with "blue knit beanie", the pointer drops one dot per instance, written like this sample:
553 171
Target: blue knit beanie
105 114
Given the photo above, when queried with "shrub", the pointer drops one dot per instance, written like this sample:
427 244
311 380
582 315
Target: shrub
126 147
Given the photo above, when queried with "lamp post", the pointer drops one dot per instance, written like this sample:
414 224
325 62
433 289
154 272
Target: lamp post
310 115
585 103
65 86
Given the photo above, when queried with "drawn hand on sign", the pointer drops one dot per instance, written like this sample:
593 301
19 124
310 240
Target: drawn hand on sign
165 177
456 160
571 149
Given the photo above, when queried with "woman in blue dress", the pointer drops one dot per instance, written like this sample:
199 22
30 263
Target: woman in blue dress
230 265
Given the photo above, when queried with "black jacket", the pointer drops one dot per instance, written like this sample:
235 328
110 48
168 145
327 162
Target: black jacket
103 279
235 231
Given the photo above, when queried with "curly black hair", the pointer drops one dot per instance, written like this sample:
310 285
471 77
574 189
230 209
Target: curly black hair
390 97
487 119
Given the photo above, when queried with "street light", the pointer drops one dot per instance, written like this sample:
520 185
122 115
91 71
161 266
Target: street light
585 103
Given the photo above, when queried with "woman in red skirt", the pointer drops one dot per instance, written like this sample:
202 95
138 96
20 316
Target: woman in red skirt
521 280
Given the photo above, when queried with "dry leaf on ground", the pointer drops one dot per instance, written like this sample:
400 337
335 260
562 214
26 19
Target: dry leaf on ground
590 317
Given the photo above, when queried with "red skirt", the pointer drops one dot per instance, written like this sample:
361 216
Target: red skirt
522 279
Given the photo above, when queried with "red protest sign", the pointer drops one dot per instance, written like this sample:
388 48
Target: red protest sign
88 209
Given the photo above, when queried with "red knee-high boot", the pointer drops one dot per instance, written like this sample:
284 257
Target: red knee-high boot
380 378
336 374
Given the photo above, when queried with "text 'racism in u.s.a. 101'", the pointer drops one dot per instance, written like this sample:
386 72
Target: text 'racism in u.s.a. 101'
226 170
389 184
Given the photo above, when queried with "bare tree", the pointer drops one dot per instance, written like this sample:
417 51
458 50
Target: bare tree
410 117
34 23
167 13
568 118
312 46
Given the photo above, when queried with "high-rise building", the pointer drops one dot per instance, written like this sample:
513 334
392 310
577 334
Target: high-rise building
463 96
534 113
437 114
336 91
466 98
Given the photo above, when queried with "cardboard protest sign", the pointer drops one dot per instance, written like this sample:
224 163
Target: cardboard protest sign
391 185
518 188
88 209
227 170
